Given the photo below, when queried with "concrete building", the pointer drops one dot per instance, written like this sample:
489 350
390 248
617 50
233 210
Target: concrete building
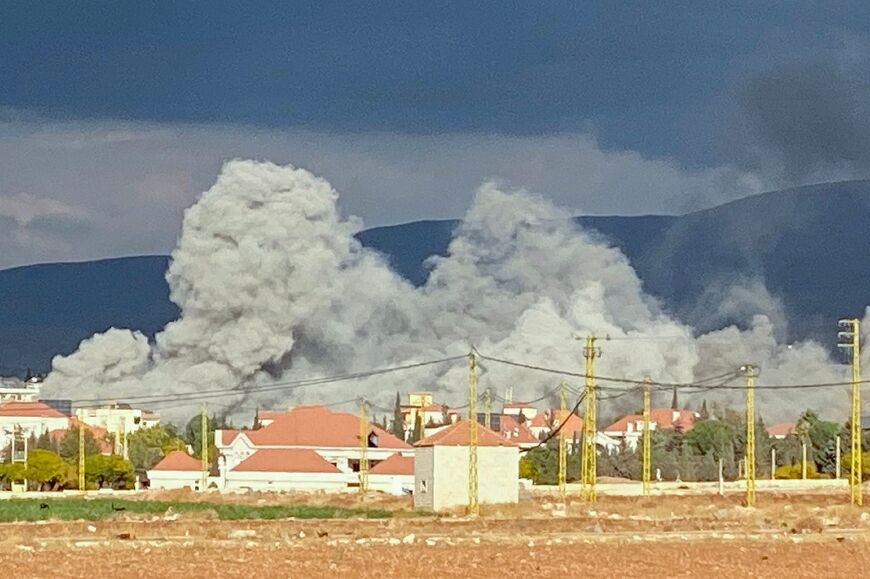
441 469
329 452
118 418
517 408
28 419
177 470
17 390
629 428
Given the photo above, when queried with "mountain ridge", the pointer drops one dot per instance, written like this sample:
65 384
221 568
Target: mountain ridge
783 240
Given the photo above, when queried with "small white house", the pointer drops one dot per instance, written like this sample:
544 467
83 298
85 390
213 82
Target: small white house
394 475
285 469
177 470
441 468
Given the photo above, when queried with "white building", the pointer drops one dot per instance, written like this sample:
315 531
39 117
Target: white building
329 452
517 408
29 419
629 428
15 390
118 418
177 470
441 469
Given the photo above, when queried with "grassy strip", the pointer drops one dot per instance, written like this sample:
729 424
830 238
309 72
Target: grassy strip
72 509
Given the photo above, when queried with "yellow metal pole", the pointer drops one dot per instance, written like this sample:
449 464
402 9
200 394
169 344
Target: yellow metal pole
487 408
81 456
853 334
647 442
563 451
590 429
749 460
363 447
473 506
203 482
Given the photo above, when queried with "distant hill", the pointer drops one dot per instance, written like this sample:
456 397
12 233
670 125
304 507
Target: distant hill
810 246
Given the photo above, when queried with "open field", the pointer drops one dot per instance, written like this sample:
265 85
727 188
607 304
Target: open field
793 534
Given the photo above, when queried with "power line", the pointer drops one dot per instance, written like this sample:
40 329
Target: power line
273 386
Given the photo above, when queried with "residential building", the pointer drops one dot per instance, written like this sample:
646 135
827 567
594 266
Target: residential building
517 408
629 428
545 422
118 418
781 430
441 468
328 457
102 437
17 390
517 432
28 419
177 470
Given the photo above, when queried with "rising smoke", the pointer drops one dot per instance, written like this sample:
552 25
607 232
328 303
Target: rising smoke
273 285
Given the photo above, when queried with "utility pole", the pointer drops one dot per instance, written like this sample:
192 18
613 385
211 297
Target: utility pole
563 453
363 447
751 372
772 463
804 460
647 442
203 481
473 506
853 335
81 456
487 408
590 429
837 463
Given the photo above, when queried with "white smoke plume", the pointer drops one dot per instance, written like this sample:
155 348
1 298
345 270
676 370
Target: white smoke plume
272 285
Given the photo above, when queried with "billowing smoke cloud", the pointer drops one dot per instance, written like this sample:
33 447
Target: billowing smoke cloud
273 285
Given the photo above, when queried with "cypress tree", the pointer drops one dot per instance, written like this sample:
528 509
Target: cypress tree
398 419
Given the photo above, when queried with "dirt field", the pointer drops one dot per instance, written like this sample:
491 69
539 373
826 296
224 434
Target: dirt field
786 536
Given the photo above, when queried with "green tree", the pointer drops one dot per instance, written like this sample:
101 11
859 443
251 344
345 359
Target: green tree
12 472
821 438
193 437
398 419
46 470
147 446
68 447
711 437
108 472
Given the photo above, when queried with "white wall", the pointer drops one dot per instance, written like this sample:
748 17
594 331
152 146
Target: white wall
394 484
284 481
30 426
174 479
445 472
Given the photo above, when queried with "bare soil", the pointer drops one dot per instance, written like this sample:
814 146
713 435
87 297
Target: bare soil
787 535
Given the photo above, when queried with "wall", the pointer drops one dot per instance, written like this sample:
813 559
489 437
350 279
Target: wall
174 479
498 476
286 481
394 484
423 472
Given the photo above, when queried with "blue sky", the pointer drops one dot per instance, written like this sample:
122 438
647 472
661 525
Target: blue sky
706 100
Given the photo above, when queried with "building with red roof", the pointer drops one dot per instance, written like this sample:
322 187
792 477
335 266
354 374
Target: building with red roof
30 419
629 428
781 430
519 433
101 435
177 470
332 437
441 468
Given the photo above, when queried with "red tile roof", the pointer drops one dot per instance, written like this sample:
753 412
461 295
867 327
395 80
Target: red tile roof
395 464
541 420
228 436
29 409
285 460
270 414
457 435
662 417
512 430
573 423
179 460
318 426
782 429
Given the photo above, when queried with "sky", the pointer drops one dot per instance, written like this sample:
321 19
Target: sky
115 116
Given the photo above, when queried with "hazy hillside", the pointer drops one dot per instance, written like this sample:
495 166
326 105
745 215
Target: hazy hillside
809 246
